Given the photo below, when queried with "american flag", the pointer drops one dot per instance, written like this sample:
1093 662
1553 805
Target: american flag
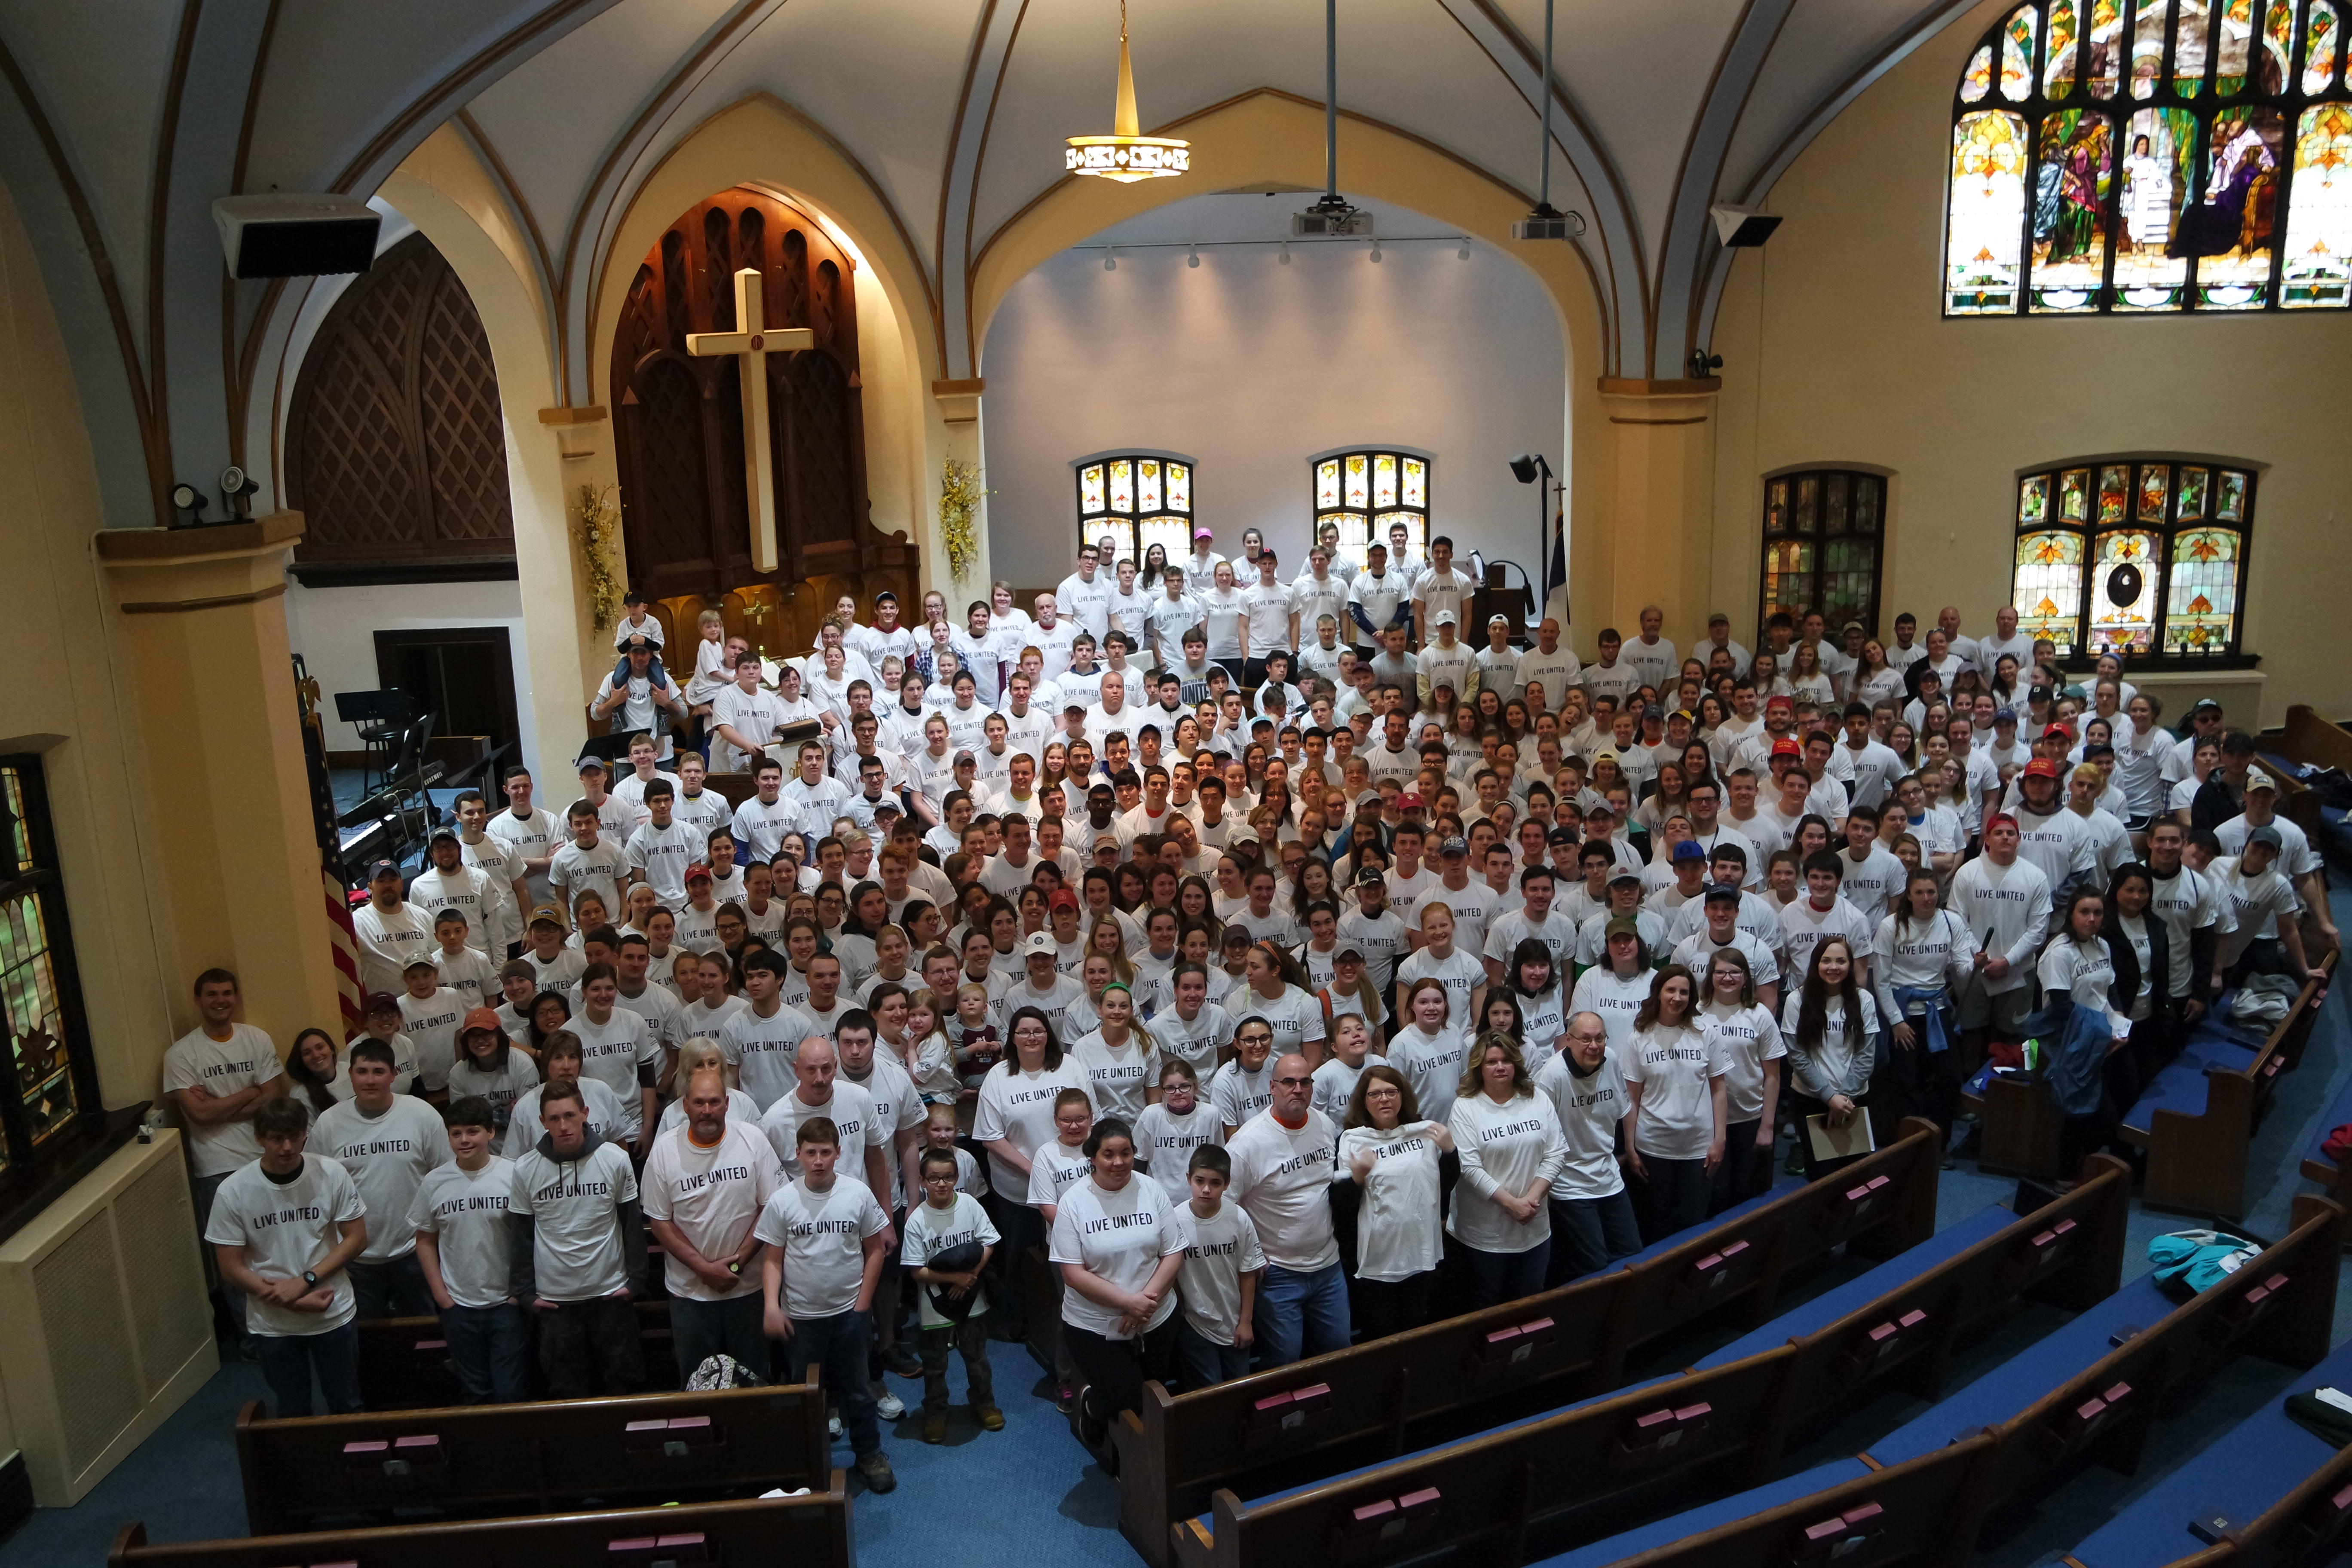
343 947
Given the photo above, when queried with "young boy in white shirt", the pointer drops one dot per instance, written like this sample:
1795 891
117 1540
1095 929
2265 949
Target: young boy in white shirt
947 1249
1218 1280
588 862
1174 1128
463 968
459 1216
387 1141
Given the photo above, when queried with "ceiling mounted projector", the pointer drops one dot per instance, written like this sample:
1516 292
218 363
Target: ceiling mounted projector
284 235
1742 228
1547 222
1331 218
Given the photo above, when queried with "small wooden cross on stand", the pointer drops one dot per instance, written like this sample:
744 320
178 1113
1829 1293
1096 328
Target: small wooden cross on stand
752 343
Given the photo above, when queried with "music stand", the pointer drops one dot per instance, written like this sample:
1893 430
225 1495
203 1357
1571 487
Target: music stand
380 717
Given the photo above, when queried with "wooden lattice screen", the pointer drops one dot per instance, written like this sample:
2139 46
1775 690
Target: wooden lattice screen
396 449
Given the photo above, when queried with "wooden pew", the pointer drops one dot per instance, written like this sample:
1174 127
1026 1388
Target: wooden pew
1180 1447
405 1362
2197 1159
2308 1527
814 1530
530 1459
1480 1494
1919 1514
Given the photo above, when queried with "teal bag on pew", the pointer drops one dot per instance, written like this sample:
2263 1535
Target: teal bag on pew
2190 1262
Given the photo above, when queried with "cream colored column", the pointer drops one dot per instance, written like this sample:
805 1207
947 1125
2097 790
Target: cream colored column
958 404
228 796
1657 478
568 655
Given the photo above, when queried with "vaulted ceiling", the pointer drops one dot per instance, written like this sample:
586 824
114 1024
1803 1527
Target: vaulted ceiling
123 119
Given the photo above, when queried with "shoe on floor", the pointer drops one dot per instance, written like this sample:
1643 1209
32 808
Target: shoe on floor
992 1419
903 1362
889 1407
1066 1397
935 1426
879 1477
832 1427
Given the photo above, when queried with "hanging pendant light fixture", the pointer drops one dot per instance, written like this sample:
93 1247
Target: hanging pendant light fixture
1124 155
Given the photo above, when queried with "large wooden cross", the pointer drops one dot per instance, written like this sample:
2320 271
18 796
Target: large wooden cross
751 343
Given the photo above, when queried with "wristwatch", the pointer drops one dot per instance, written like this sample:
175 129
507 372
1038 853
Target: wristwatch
734 1265
311 1279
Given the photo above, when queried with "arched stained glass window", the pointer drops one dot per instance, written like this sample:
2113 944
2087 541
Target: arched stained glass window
1366 491
2147 155
1821 533
1139 499
2143 556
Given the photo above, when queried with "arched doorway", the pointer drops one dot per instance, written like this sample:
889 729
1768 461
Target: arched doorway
679 437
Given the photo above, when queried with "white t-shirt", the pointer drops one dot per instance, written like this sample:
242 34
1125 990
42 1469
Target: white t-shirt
1397 1229
614 1052
223 1067
1052 1170
1116 1078
523 1131
526 838
388 939
1119 1238
851 1110
1504 1148
1461 973
1674 1066
465 1211
284 1228
1018 1107
1218 1251
823 1236
387 1157
1739 1041
1588 1108
1165 1140
761 1049
1282 1177
603 865
431 1025
930 1231
1237 1094
713 1196
502 1088
1615 1000
1432 1064
575 1209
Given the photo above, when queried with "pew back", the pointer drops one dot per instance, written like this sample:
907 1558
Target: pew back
405 1362
531 1457
814 1530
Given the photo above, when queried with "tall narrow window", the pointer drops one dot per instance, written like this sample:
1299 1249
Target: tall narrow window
52 1081
1821 533
2142 557
1139 499
1365 491
2137 155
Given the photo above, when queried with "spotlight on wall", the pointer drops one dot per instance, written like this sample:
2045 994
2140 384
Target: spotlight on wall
1742 228
1193 257
1463 254
1110 261
1523 468
1284 254
1376 250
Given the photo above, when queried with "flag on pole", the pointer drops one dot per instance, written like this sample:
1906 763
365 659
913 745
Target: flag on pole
343 944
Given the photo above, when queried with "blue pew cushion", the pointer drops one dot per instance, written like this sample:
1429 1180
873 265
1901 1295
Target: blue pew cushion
1859 1292
2009 1388
2241 1473
2179 1084
1709 1516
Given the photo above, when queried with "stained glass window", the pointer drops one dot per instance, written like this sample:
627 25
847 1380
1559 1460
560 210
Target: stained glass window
2142 557
2152 155
1365 491
51 1079
1139 499
1823 533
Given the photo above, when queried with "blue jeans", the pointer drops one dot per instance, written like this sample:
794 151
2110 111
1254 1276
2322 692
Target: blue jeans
394 1288
1589 1234
289 1360
838 1345
699 1329
1206 1361
1499 1277
490 1348
1300 1313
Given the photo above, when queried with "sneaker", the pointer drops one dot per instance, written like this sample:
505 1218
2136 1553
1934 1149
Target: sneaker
1066 1397
992 1419
903 1362
889 1407
832 1427
879 1477
935 1426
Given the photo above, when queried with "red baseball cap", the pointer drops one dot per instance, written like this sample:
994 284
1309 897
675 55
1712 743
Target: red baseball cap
481 1018
2058 730
1411 797
1786 746
697 869
1781 699
2041 768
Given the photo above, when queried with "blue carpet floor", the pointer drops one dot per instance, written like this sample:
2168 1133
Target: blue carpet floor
1034 1484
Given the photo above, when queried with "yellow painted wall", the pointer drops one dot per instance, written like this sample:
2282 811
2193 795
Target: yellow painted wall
1835 350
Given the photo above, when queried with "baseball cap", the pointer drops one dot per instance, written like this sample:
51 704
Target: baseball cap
1063 898
1623 925
637 644
444 831
697 869
419 962
1651 710
380 1002
2202 703
1371 877
547 912
1498 620
481 1018
2257 779
1038 941
1454 843
1205 533
2097 749
2041 768
1601 808
1623 874
592 764
380 867
1720 893
1786 746
1607 754
1781 699
1690 849
2266 836
2059 730
2004 715
1445 618
1560 836
1409 799
2037 694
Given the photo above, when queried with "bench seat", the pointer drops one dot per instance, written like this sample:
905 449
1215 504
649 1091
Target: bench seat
2181 1084
2242 1473
1707 1516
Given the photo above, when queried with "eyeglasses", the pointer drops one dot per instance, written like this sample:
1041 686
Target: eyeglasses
1294 1082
